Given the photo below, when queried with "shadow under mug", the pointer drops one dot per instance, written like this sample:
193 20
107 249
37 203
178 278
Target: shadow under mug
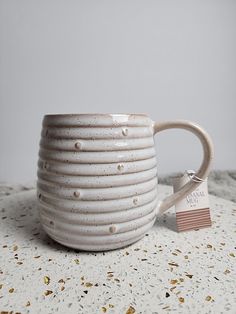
97 178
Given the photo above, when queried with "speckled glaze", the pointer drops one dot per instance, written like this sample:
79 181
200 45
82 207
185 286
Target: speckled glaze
97 178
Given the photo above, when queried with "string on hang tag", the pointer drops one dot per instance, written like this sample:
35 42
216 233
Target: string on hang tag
193 177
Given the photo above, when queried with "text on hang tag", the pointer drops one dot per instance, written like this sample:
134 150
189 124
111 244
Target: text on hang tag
193 211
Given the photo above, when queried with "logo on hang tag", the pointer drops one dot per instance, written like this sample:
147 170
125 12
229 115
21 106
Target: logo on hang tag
193 211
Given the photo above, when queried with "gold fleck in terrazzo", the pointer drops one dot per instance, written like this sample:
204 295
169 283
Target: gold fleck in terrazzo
111 306
131 310
88 284
46 280
174 281
48 292
15 248
208 298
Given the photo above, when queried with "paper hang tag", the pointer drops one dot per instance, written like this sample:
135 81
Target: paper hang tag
193 211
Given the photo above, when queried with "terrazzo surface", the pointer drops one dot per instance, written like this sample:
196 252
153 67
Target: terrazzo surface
166 271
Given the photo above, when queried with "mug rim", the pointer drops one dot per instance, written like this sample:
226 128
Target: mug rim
66 115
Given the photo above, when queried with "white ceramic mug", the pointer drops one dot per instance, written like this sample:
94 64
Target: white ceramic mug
97 178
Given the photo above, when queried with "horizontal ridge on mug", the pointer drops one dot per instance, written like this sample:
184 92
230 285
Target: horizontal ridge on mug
97 133
101 239
98 218
96 230
98 145
95 206
63 192
58 167
98 181
98 157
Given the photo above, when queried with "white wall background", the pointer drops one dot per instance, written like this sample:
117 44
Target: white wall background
170 59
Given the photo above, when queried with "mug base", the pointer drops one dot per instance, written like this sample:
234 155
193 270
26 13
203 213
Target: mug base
97 248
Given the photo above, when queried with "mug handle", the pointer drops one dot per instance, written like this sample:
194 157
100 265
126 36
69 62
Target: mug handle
204 168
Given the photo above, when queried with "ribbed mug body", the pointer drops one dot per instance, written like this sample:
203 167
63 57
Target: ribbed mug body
97 179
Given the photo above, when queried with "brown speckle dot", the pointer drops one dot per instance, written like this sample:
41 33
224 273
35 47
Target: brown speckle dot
45 165
135 201
173 264
61 281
